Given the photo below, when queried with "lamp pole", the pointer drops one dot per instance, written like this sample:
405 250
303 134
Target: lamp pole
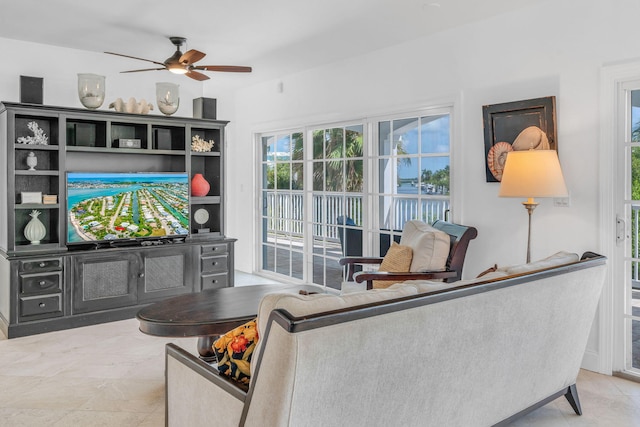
530 204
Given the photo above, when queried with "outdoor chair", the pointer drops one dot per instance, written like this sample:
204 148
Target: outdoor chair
459 238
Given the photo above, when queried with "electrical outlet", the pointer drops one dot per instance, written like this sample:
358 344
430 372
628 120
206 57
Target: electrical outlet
562 202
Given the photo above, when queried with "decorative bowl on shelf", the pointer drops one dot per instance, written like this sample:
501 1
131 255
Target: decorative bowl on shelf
91 90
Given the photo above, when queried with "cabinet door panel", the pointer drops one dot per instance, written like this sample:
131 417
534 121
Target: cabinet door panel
165 272
101 282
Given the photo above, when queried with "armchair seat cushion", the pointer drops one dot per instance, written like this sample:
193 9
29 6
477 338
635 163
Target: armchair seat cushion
430 246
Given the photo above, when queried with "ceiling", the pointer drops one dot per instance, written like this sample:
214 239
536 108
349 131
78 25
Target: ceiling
275 37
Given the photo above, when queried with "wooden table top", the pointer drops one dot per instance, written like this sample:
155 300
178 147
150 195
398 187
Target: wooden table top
210 312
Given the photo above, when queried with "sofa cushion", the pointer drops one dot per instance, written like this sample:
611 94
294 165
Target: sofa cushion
397 260
235 349
430 246
559 258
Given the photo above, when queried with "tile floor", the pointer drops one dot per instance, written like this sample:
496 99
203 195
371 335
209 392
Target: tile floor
113 375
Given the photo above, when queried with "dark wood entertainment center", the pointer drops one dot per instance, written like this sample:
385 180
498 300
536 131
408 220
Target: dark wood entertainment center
51 285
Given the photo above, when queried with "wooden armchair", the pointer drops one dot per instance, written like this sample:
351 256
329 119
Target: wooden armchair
460 236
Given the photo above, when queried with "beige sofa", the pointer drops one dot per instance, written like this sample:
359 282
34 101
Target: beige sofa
471 353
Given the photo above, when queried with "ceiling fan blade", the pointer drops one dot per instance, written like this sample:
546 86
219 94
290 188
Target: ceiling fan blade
224 68
191 56
144 69
197 76
135 57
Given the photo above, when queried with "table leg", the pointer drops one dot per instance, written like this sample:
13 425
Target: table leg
204 348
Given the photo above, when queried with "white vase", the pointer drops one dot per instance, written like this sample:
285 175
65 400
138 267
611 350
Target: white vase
32 161
35 230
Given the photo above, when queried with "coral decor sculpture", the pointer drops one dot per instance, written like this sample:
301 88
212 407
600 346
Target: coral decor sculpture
38 138
200 145
131 106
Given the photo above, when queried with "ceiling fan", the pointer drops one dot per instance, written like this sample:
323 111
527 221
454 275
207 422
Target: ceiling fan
183 63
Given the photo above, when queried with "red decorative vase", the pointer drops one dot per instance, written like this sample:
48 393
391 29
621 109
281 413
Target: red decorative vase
199 186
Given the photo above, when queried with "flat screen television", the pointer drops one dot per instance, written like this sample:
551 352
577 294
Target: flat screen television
114 206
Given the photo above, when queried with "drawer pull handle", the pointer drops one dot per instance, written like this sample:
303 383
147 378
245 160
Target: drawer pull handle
42 305
141 275
42 264
214 263
214 281
42 283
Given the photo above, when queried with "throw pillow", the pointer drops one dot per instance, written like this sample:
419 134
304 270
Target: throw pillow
430 246
234 350
397 260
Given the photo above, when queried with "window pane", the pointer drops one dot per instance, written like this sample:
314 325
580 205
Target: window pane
334 143
385 210
298 148
635 173
268 169
297 176
353 141
318 144
405 136
635 115
354 176
384 138
283 178
268 258
297 263
318 176
283 265
435 134
435 175
385 176
283 148
334 175
408 172
268 147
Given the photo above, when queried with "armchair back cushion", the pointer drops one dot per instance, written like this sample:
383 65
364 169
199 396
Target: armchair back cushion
430 246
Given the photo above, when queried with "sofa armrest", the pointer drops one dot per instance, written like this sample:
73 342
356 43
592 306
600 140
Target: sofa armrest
196 393
369 277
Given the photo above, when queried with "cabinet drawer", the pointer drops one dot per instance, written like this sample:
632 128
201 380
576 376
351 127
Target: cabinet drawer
214 281
39 283
46 304
213 264
36 266
219 249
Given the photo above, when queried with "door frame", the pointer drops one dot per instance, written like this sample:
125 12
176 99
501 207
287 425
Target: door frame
610 321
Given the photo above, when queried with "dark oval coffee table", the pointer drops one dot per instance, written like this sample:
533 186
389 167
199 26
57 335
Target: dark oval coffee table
210 313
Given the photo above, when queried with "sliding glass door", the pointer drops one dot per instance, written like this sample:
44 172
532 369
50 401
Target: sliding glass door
347 189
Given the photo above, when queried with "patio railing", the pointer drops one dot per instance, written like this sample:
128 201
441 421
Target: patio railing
286 212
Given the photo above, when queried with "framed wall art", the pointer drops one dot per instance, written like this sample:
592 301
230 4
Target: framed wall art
519 125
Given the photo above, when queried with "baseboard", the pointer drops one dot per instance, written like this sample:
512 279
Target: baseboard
591 362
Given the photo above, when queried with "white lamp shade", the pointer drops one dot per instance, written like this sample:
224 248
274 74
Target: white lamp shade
532 173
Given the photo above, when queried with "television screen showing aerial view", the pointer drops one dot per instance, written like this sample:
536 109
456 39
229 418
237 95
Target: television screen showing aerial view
115 206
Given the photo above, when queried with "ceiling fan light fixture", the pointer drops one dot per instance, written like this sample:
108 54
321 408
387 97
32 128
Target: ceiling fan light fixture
177 69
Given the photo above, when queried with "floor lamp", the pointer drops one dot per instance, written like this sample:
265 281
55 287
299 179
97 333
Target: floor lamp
530 174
